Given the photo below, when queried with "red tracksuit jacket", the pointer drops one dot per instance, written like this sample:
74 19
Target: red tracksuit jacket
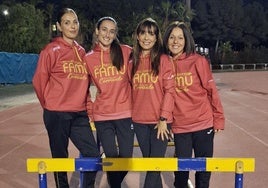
61 78
113 99
153 95
197 102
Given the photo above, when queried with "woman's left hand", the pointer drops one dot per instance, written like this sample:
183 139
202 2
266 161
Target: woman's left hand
217 130
162 130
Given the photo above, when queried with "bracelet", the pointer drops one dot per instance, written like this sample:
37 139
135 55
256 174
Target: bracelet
162 119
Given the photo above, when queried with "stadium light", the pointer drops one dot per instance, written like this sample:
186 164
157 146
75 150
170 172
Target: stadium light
5 12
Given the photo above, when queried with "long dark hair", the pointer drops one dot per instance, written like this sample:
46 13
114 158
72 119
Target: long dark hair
116 53
156 51
189 47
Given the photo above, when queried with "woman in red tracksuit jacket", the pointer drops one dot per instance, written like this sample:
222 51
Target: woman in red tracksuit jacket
61 85
152 89
198 111
108 63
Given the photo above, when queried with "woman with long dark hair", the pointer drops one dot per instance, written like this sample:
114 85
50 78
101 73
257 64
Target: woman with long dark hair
152 90
108 65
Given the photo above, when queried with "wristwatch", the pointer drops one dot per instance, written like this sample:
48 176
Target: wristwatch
162 119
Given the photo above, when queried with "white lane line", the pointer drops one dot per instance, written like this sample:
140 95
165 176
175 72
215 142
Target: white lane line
14 116
255 95
245 105
248 133
22 144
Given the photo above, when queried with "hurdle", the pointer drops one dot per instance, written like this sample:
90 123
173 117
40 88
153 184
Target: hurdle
44 165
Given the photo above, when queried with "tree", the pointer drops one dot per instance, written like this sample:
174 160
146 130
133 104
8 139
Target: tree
242 22
228 20
49 12
255 25
218 21
24 30
166 12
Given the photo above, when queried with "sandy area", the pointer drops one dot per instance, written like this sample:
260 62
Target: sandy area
12 101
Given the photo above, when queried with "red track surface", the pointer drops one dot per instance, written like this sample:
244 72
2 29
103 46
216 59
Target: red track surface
245 99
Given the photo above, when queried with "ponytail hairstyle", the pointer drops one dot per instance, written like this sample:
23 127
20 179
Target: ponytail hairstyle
116 53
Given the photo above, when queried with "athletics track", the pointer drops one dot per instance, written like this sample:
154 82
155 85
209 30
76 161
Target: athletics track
245 99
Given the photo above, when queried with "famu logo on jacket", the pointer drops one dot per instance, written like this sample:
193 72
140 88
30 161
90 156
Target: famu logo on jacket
75 70
107 73
144 80
183 81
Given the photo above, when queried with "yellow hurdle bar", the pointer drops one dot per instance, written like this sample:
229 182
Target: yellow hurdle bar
229 164
141 164
52 165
